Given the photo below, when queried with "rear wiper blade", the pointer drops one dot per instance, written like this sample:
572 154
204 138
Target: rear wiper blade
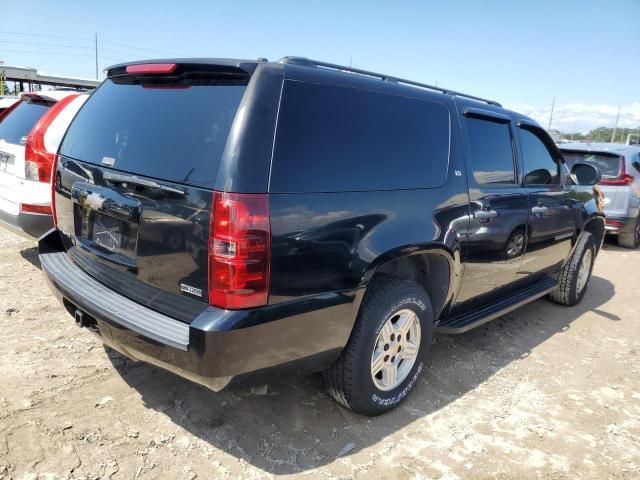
120 178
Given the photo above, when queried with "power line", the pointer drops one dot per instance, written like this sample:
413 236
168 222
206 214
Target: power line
46 53
92 40
140 48
114 59
44 35
120 53
37 44
52 45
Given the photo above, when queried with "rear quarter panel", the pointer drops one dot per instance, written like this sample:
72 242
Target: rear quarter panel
335 241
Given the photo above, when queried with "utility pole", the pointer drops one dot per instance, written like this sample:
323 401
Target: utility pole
615 127
96 56
553 104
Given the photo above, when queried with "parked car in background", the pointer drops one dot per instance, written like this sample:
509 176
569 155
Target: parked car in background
6 102
620 168
325 218
30 134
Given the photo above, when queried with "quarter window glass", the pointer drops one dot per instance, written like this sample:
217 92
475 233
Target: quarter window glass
540 167
491 151
333 139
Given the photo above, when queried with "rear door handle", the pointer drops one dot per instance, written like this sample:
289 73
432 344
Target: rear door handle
539 210
485 215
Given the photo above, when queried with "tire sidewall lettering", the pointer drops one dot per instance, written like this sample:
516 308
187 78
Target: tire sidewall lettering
407 301
397 398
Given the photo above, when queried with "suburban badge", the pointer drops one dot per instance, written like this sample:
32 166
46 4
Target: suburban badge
191 290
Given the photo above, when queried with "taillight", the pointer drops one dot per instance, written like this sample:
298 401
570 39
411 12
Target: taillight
623 179
614 223
239 248
38 161
29 208
54 176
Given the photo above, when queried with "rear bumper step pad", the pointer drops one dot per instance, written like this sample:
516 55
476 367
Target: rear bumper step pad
102 302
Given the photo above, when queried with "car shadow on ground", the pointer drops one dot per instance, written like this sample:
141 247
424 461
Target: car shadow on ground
296 427
31 256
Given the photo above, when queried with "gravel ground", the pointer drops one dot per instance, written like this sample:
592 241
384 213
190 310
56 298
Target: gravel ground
544 392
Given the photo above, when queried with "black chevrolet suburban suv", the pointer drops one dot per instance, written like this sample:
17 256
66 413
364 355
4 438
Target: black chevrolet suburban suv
225 219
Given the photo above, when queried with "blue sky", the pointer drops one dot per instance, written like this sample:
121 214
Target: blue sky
585 53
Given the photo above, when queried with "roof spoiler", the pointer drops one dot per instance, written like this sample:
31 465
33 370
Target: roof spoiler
213 65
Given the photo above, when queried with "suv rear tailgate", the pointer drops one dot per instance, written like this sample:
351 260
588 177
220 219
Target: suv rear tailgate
134 182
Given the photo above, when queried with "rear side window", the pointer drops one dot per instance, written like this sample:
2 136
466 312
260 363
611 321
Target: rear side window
332 139
491 151
609 164
20 121
176 134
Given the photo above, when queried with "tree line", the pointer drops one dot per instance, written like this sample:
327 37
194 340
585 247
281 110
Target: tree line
603 134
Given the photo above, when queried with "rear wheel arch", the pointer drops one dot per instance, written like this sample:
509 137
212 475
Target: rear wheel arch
432 270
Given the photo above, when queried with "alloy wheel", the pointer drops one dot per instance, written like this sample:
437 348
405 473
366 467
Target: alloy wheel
396 350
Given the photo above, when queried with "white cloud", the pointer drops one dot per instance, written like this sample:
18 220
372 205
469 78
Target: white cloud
579 117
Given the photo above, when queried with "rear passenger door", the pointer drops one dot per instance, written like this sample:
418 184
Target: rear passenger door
552 222
499 205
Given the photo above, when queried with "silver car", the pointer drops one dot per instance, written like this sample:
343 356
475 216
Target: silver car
620 168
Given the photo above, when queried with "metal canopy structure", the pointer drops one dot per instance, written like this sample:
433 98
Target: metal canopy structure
30 77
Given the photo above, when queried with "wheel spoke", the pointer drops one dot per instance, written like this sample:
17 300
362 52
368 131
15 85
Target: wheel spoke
386 332
409 350
404 324
390 375
377 363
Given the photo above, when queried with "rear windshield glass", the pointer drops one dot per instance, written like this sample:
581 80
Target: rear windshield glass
19 123
175 134
609 165
334 138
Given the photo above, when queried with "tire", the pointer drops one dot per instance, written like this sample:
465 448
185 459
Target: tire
350 380
631 239
571 286
514 246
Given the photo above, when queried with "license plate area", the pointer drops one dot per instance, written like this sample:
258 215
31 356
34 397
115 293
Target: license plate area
5 161
108 237
107 232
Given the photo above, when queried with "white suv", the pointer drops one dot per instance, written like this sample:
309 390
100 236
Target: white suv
30 133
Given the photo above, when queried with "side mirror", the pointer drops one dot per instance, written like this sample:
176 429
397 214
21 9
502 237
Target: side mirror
585 174
538 177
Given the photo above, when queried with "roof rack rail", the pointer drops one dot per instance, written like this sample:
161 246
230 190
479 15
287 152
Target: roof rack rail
387 78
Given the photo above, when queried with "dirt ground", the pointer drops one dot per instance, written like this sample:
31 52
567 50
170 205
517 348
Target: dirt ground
545 392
